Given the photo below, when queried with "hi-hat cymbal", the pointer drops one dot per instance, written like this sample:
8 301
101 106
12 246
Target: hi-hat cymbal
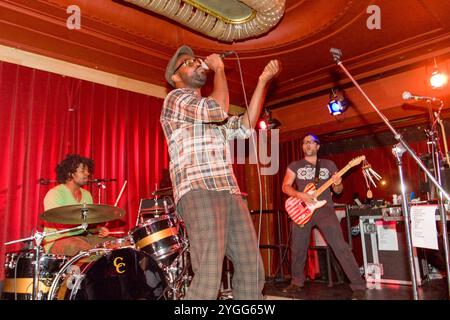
96 213
163 192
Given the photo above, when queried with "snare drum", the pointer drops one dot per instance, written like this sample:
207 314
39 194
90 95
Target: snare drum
19 274
103 274
159 237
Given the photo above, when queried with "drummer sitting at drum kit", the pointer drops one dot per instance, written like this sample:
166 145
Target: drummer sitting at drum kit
72 174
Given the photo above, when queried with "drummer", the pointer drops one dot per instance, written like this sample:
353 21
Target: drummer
72 174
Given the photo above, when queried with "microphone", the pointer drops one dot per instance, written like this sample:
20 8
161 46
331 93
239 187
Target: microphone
222 55
408 96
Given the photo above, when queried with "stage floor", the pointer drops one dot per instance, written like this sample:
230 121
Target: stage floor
318 290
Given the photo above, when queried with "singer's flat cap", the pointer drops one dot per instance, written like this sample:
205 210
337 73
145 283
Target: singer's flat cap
171 65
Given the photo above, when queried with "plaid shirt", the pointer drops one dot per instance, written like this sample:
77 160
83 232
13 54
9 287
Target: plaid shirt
197 131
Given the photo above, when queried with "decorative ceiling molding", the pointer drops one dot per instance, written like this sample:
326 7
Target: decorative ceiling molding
228 21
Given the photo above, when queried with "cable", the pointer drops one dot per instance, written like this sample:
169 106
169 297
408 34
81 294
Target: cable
285 250
257 165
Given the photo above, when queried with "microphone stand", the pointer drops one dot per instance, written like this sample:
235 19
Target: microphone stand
398 151
437 165
100 186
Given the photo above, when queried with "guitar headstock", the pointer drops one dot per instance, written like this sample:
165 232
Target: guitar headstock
356 161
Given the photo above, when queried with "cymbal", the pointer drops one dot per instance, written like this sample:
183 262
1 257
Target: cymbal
72 214
163 192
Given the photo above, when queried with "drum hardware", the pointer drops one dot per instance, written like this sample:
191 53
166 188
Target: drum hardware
117 243
163 192
38 237
226 293
177 275
154 207
82 254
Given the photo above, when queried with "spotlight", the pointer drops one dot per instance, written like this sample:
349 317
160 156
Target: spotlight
263 125
338 102
266 122
438 79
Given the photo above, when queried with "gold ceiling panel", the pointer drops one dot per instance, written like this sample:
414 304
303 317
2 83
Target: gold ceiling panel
228 21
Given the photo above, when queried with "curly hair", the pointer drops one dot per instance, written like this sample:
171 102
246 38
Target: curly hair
69 165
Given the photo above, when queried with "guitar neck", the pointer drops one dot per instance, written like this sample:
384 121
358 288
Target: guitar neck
327 184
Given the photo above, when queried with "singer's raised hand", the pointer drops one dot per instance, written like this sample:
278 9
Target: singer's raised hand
214 62
271 70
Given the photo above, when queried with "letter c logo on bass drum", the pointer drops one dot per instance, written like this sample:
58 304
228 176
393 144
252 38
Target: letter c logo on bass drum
118 264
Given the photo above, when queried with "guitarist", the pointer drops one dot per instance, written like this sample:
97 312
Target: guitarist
307 170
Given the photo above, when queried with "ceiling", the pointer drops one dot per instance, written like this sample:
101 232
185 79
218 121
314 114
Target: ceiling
123 39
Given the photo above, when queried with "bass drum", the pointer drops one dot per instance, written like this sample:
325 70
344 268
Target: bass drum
103 274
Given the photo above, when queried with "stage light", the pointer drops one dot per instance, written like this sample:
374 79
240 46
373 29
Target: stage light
338 103
266 122
438 79
262 125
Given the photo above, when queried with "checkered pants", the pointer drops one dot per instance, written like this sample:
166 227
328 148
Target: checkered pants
218 223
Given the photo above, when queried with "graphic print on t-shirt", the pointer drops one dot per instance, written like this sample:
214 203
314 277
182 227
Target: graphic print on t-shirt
308 173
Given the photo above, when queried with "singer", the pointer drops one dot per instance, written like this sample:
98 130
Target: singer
72 174
208 198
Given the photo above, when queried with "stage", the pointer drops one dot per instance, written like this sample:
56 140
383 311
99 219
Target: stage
435 289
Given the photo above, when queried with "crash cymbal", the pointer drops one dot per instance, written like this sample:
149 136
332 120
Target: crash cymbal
72 214
163 192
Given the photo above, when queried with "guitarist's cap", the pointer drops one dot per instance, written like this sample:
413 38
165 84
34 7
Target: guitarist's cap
313 136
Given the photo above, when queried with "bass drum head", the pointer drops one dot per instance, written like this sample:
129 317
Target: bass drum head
123 274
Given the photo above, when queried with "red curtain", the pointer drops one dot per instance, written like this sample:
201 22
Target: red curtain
45 116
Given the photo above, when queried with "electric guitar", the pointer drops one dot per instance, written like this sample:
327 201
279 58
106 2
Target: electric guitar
299 211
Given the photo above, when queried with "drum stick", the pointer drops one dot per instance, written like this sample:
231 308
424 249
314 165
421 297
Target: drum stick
116 232
120 194
117 201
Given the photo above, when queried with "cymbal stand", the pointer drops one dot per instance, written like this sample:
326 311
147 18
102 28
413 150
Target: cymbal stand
38 237
398 150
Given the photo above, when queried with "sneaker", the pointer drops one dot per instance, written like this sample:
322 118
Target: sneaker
292 288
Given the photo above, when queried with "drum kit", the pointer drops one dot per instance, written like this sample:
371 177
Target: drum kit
150 263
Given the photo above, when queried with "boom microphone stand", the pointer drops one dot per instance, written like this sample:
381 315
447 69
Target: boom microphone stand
437 164
398 151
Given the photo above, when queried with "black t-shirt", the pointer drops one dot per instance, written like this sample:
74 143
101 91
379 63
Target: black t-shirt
305 173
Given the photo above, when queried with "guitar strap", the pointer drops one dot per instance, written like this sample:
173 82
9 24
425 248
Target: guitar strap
316 178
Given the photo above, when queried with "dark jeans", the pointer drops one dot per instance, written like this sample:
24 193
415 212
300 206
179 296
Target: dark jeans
325 219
